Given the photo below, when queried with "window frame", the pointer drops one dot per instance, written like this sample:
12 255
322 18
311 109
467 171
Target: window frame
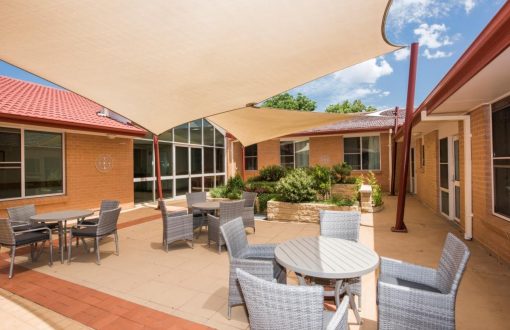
22 162
360 137
252 157
294 151
493 195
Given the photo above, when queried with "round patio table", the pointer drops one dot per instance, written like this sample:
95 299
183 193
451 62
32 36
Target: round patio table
205 207
329 258
61 217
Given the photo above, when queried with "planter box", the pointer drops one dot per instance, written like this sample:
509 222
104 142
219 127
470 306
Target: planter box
344 190
301 212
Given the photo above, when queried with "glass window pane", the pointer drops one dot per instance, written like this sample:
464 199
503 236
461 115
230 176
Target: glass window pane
370 153
10 145
167 186
143 191
208 160
43 163
250 163
502 187
196 131
457 202
286 148
208 182
445 202
220 180
351 145
208 133
196 161
142 158
181 133
165 158
10 181
287 161
501 132
196 184
220 160
181 161
443 175
250 151
167 136
456 159
220 139
302 153
181 186
353 160
443 150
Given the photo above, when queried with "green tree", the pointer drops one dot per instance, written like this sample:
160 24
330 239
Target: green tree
299 102
348 107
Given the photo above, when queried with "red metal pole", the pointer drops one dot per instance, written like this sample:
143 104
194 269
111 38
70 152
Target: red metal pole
404 170
158 167
394 154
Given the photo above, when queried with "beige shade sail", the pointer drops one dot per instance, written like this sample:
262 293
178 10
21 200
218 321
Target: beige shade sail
162 63
254 125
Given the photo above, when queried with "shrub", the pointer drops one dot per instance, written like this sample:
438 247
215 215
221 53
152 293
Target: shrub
350 180
263 199
321 180
271 173
232 190
342 172
341 201
235 183
376 189
261 187
296 187
218 192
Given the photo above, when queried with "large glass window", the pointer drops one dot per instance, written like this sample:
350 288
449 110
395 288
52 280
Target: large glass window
165 159
43 163
501 156
181 133
142 158
195 130
294 154
250 158
220 160
181 161
208 160
362 152
196 160
208 133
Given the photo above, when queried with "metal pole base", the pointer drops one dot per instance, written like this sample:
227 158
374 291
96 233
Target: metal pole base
399 230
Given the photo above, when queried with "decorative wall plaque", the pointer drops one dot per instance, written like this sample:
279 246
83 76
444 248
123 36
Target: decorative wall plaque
104 163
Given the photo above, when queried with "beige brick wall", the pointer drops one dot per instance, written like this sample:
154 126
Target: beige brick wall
326 150
427 176
85 185
490 230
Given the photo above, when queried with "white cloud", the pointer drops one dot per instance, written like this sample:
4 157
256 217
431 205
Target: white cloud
367 72
402 54
432 36
469 5
385 93
437 54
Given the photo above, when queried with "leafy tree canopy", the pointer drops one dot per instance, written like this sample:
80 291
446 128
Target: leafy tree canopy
299 102
348 107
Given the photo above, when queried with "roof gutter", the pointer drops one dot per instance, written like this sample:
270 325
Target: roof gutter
468 198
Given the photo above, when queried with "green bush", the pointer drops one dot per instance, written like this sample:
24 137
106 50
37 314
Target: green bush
342 172
350 180
321 180
263 199
341 201
218 192
271 173
261 187
232 190
296 187
235 183
376 189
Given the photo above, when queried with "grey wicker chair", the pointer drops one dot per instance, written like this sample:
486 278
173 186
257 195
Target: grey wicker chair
196 197
31 236
228 211
257 259
344 225
288 307
416 297
106 205
19 217
106 226
249 209
177 225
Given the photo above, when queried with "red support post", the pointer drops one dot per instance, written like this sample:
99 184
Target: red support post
404 170
394 154
158 167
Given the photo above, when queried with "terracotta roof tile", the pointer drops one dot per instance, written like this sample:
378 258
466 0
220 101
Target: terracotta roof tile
27 101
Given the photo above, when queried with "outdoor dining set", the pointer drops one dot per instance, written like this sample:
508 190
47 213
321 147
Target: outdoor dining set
329 266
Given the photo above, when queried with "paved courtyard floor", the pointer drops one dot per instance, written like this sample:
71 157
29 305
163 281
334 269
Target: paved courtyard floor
147 287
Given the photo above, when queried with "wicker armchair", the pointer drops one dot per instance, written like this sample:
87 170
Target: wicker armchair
228 212
249 209
344 225
29 236
106 226
196 197
106 205
177 226
415 297
19 217
256 259
277 306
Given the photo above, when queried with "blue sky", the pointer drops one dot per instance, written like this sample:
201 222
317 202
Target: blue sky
444 28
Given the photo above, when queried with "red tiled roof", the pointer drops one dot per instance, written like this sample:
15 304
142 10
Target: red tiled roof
380 120
23 101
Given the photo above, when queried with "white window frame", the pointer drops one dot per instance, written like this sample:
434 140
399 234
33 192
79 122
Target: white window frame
294 150
22 160
360 136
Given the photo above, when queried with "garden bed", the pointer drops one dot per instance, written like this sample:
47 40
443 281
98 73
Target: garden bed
301 212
